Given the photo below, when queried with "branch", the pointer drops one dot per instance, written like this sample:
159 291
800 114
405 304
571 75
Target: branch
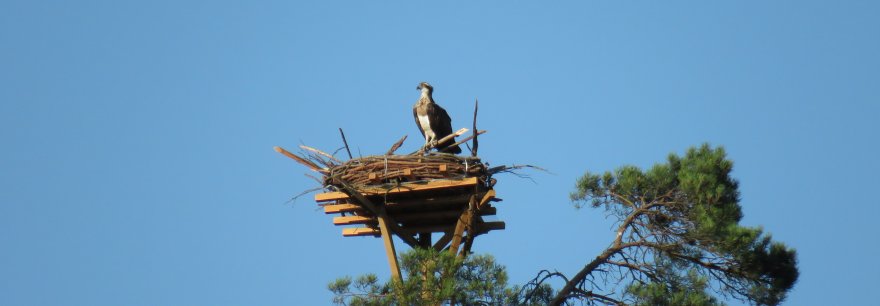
396 146
322 153
443 140
345 142
538 280
476 144
617 246
474 136
603 298
301 160
570 286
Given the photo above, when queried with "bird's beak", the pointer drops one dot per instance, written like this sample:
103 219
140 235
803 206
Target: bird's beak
419 87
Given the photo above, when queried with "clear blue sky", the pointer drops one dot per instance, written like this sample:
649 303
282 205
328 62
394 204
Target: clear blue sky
137 168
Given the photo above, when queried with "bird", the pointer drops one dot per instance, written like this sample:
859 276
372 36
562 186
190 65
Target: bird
432 120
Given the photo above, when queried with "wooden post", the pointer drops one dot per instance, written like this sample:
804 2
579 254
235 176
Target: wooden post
472 233
425 240
388 240
460 226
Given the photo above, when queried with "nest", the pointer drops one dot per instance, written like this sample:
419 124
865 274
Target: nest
383 169
390 168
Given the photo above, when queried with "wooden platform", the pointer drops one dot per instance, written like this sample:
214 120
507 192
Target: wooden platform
413 211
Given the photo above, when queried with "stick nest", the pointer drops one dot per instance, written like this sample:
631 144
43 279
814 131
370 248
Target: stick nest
382 169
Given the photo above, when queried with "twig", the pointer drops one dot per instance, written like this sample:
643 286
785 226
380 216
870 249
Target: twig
345 142
301 160
476 144
293 199
464 140
449 137
498 169
322 153
396 146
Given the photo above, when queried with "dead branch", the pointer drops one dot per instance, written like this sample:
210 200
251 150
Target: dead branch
465 140
346 143
322 153
443 140
301 160
475 143
396 146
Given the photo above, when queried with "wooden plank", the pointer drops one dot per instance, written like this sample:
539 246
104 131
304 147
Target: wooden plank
485 227
454 201
438 215
405 187
406 216
486 198
479 228
427 229
379 211
353 220
340 208
360 231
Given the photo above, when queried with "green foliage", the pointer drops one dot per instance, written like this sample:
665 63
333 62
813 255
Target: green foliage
678 290
435 278
678 242
686 212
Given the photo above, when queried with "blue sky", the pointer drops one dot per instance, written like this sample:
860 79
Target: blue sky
137 163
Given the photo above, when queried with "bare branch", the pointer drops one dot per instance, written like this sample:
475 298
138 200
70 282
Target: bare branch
396 146
346 143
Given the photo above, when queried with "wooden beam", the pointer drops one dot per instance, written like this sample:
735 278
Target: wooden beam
405 187
486 198
379 212
464 221
425 240
340 208
443 241
353 220
440 244
438 215
360 231
485 227
388 241
434 203
440 228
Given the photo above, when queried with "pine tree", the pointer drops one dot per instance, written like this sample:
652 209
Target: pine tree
678 236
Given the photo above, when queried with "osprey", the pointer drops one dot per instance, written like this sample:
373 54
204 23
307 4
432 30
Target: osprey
432 120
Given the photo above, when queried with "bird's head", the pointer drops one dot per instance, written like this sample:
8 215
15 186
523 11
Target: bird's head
425 87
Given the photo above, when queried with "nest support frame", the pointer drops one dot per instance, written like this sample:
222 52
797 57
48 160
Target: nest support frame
412 199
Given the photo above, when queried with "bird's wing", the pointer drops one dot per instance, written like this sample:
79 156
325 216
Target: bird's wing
443 126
